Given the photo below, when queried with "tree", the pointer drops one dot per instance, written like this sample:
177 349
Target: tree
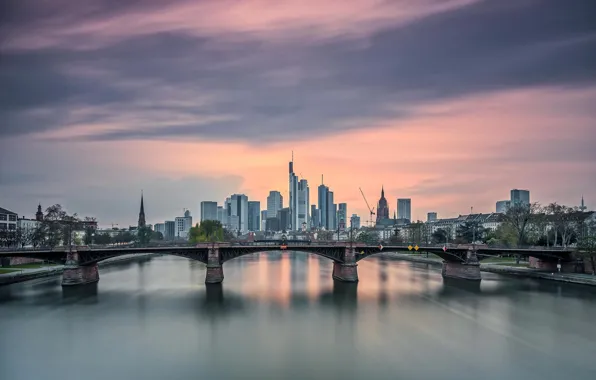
470 230
518 217
439 236
368 237
144 235
156 235
207 231
587 249
102 239
325 235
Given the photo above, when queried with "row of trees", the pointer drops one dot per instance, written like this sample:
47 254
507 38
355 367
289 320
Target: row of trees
59 228
209 231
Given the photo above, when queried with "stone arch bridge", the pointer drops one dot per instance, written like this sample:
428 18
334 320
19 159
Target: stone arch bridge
459 262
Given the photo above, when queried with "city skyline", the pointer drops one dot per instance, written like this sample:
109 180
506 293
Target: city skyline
196 104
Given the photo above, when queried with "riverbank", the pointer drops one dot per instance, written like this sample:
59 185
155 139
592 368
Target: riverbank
26 274
500 268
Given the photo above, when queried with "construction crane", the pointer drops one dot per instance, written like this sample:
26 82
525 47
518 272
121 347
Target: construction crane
371 210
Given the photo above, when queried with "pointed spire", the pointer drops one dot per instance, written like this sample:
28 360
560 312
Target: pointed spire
583 206
142 212
382 191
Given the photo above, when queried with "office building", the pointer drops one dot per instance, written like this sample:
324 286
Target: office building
169 229
342 216
238 213
520 197
303 195
431 216
315 217
355 222
323 209
254 215
183 225
283 216
221 215
502 206
263 220
299 200
161 228
275 202
404 208
208 210
331 211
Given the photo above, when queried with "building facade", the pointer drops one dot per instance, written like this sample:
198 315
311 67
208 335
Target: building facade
238 213
263 220
170 230
303 194
502 206
209 211
355 222
520 197
404 208
275 202
431 216
342 216
254 215
323 209
183 225
8 220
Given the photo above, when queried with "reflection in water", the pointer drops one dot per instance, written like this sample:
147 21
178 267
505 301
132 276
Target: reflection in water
281 316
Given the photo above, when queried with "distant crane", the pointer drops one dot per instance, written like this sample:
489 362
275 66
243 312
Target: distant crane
371 210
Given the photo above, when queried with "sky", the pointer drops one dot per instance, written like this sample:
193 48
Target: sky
451 103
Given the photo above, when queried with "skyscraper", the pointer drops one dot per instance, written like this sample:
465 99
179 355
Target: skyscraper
520 197
323 210
431 216
141 222
404 208
238 213
342 215
274 203
299 201
355 222
254 215
221 215
382 207
303 219
315 217
208 211
331 211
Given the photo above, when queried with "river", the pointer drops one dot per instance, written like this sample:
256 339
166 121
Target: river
281 316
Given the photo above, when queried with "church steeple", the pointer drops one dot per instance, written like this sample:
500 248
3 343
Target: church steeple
142 213
382 191
39 214
583 206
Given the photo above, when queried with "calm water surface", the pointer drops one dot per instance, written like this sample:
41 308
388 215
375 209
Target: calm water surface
281 316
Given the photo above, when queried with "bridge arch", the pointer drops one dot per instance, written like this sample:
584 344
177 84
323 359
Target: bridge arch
335 254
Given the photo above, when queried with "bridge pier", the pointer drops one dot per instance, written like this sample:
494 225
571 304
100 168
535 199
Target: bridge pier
76 274
214 273
348 270
467 270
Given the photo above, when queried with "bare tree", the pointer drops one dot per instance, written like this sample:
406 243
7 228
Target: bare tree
519 217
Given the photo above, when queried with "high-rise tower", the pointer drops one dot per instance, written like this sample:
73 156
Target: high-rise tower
142 213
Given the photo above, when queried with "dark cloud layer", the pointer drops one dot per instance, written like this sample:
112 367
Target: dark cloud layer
172 84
